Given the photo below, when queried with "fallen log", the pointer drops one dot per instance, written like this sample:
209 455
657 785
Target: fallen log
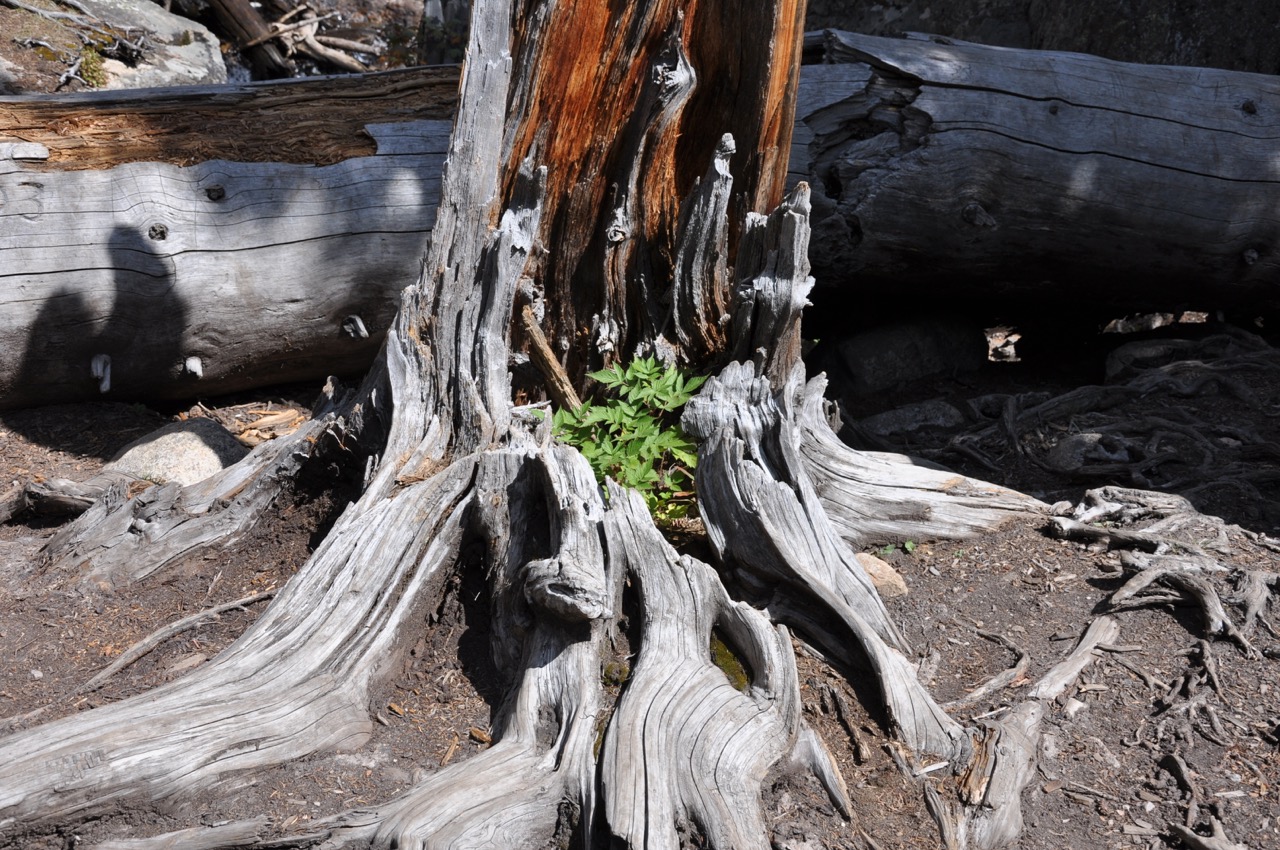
957 171
188 242
153 246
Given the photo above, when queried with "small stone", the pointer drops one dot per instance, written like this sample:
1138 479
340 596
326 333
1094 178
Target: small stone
190 662
37 674
1063 508
1074 452
888 582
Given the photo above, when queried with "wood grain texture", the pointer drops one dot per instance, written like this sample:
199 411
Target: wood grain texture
314 121
873 496
253 269
684 745
958 170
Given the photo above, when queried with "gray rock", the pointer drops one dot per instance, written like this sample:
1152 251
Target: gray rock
8 79
1073 453
871 361
181 452
912 417
177 51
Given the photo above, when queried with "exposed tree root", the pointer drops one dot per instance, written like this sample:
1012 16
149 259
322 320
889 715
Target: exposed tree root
1218 840
295 682
1077 434
119 540
1167 566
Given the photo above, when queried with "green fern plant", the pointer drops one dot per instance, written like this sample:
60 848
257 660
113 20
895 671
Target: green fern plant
634 437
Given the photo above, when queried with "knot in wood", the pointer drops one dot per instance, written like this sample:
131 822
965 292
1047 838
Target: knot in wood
158 232
974 213
564 590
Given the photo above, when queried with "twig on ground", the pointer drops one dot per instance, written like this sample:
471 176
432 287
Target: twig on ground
347 44
1174 765
841 711
996 682
72 73
1117 538
50 15
133 653
1149 680
1105 629
151 641
281 29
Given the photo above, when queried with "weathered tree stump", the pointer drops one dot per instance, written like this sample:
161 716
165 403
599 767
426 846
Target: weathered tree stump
601 173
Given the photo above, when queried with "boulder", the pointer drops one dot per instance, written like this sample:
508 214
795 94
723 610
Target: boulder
181 452
870 361
176 51
912 417
1074 453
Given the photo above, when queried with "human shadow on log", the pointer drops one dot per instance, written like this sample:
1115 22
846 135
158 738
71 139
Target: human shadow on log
141 335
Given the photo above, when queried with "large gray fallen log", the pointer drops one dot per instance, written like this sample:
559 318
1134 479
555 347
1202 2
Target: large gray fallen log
957 170
155 281
179 242
939 170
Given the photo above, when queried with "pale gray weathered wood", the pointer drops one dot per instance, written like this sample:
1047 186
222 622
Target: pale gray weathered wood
262 272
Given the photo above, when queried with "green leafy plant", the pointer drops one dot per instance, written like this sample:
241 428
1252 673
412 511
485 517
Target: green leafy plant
908 547
634 437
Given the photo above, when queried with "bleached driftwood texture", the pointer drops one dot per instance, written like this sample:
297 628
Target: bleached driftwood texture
200 280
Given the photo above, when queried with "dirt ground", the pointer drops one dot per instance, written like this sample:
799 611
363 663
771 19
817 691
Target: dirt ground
1167 727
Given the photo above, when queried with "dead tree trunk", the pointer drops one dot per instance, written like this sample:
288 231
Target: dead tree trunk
611 169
